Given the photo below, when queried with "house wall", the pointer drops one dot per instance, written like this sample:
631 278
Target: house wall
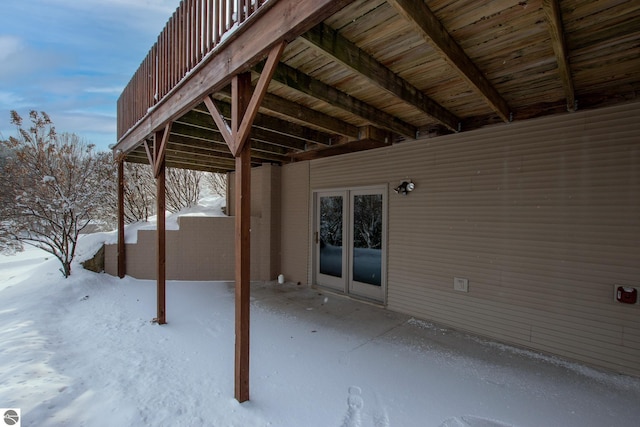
294 220
265 206
542 217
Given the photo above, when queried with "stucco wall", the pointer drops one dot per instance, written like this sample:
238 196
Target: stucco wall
204 247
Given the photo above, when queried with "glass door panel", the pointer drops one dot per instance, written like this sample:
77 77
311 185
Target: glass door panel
331 218
367 243
329 236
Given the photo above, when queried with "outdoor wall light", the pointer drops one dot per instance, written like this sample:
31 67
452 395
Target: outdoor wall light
405 187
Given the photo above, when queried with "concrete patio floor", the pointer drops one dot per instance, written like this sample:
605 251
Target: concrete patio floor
441 370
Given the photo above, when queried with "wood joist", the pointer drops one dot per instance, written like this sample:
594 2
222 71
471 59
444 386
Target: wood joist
348 54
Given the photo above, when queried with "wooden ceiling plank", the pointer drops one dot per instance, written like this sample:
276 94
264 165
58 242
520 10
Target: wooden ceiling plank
275 124
433 32
216 143
308 85
553 16
134 157
197 128
304 114
179 149
347 53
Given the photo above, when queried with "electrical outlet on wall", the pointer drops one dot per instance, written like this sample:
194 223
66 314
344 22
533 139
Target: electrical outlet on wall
460 284
625 294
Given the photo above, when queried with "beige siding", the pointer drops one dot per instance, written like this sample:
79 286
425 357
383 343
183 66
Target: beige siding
542 217
268 195
295 221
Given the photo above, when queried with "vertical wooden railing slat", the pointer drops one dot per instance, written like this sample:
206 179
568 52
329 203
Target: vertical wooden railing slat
192 31
216 23
192 35
209 21
161 61
199 32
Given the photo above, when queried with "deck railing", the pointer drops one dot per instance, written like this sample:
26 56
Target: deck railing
194 30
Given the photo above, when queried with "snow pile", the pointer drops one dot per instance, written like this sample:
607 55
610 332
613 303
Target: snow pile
83 352
208 206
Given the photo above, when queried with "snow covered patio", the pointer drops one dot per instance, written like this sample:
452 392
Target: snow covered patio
83 352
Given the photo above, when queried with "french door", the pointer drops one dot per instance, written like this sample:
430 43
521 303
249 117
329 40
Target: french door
350 241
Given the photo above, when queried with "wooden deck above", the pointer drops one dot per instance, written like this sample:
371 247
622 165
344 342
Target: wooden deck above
362 74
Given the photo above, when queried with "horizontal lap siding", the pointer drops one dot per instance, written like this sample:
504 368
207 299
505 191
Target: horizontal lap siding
542 217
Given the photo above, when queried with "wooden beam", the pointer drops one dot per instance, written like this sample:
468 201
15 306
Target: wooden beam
244 127
553 16
243 270
159 169
420 17
348 147
160 150
370 137
204 125
241 95
275 124
348 54
218 118
309 116
122 259
150 156
213 141
308 85
186 164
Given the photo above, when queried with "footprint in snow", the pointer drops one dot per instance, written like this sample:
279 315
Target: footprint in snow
471 421
353 417
375 416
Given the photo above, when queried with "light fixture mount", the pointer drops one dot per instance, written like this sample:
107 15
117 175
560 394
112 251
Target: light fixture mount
405 187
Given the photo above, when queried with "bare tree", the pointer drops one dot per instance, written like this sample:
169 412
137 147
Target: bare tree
217 182
105 216
183 188
51 188
139 192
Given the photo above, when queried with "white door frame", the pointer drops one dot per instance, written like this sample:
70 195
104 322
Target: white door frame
346 283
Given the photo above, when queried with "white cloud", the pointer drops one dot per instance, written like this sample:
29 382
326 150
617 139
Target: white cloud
85 121
10 100
9 46
110 89
140 14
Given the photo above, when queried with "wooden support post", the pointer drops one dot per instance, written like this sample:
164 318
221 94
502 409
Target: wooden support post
159 170
244 107
122 259
241 94
243 280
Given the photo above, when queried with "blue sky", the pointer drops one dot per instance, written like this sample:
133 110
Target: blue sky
72 58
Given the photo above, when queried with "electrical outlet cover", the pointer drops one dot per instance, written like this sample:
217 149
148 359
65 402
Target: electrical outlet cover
460 284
